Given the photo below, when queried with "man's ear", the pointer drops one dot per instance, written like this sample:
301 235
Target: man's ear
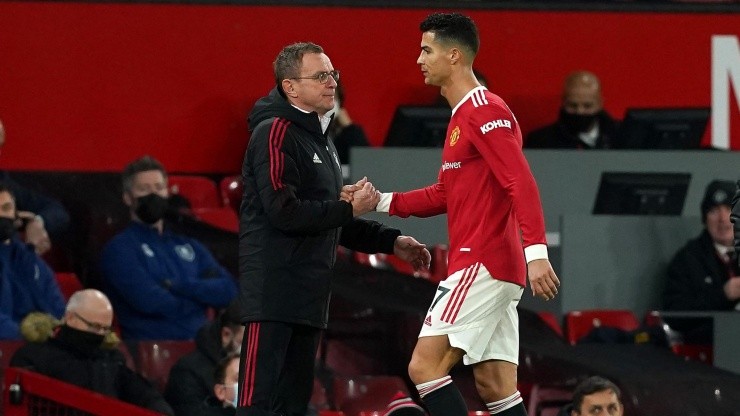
454 55
219 390
127 199
288 88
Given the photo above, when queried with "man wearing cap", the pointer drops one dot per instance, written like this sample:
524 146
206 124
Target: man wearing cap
704 275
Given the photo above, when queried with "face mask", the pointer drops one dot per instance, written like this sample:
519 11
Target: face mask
577 123
236 395
81 338
151 208
7 228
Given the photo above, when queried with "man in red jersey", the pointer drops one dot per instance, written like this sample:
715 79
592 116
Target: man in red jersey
493 206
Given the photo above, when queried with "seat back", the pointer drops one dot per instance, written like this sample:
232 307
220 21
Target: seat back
580 323
68 283
221 217
231 189
156 358
552 321
200 191
353 395
695 352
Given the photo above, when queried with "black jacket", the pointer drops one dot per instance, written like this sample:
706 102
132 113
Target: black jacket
696 278
100 370
557 136
292 218
191 380
213 407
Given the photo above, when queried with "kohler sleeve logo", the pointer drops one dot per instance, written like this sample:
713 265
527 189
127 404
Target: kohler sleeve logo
494 125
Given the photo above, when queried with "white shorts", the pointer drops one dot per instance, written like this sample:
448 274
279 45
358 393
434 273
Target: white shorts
478 315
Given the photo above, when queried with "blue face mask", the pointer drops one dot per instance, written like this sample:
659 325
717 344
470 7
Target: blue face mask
236 395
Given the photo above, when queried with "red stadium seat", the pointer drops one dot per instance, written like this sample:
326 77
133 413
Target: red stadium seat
68 283
231 189
695 352
368 394
544 400
222 217
551 320
156 358
580 323
200 191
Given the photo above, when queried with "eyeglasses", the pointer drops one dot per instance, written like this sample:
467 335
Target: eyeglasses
323 77
94 326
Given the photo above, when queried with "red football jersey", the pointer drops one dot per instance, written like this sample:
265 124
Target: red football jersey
487 189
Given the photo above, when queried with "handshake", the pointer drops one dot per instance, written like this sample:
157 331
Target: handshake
363 196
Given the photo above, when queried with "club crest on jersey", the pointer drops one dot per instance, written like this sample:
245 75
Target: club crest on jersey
455 135
494 125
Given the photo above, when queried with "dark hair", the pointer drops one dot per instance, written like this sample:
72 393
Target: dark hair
142 164
5 188
591 385
289 60
219 375
453 28
231 316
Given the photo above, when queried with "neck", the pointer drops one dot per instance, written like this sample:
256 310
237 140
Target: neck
458 85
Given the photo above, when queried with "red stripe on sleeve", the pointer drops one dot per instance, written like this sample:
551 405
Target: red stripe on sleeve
277 159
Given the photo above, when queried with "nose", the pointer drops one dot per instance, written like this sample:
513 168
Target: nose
419 61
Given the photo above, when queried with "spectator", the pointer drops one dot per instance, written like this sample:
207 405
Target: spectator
160 283
42 216
79 356
703 275
582 123
595 396
191 378
344 132
224 389
27 284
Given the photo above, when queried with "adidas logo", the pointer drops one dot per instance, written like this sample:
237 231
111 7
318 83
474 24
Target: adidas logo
316 158
428 321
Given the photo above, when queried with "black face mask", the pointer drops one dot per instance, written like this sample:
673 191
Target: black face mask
577 123
151 208
7 228
82 339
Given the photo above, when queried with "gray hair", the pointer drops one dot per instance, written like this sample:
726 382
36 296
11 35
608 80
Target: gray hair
288 62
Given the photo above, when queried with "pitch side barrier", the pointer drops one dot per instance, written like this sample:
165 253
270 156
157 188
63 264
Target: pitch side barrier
27 393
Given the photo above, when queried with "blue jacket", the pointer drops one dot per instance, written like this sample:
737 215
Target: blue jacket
27 284
161 285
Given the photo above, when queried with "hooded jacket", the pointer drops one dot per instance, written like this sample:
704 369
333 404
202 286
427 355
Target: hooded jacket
191 379
292 219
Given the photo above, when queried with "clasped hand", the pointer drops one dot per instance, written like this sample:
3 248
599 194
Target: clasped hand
362 195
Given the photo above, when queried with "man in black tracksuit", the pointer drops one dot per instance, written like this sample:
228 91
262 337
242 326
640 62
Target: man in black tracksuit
292 219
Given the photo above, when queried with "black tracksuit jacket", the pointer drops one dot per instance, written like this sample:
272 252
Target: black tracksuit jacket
291 218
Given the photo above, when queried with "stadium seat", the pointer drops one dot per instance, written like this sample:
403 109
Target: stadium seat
319 400
694 352
544 399
200 191
231 189
156 358
221 217
580 323
366 394
551 320
68 283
